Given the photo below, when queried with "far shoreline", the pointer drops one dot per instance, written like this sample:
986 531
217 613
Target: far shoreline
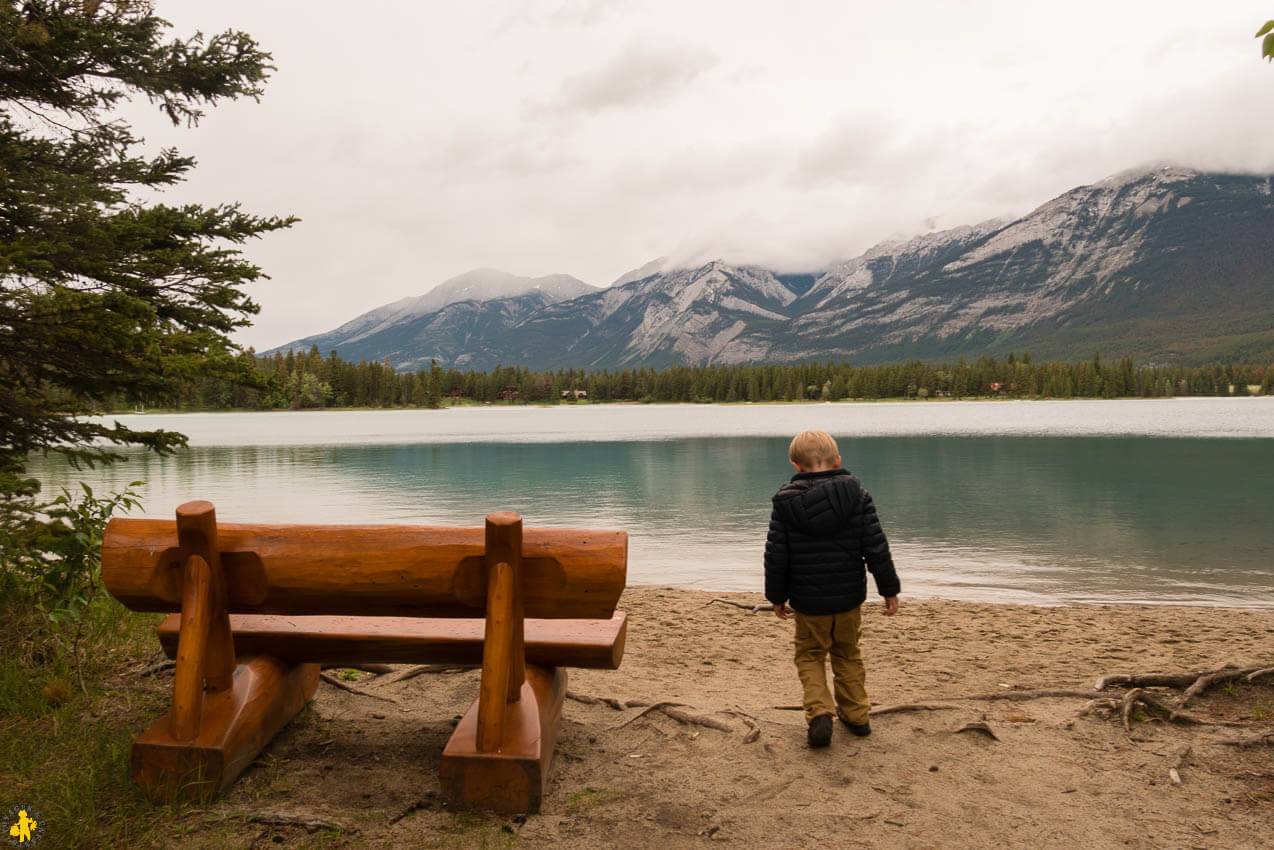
745 596
477 405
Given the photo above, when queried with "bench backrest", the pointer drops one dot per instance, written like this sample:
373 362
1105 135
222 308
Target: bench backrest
389 570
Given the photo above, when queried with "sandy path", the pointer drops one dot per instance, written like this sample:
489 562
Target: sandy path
1051 780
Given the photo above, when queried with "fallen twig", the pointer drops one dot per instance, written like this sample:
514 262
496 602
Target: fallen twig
346 686
306 822
1256 674
754 608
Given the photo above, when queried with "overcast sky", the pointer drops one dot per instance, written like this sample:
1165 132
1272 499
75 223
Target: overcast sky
419 140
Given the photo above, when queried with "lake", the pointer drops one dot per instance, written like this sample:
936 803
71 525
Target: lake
1045 502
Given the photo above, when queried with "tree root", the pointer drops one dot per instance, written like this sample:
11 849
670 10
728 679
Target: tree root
418 670
1251 741
374 669
910 706
754 727
746 606
695 719
1100 704
1195 682
1038 693
979 726
1174 772
1225 674
346 686
610 701
652 707
157 667
1149 680
671 709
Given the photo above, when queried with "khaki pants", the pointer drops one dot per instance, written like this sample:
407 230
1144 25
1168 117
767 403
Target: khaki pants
818 636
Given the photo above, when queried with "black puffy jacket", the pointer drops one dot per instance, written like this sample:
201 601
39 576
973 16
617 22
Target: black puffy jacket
823 532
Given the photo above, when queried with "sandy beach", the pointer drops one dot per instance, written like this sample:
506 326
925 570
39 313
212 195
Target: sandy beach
965 770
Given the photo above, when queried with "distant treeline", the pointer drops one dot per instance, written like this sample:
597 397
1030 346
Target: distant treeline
302 381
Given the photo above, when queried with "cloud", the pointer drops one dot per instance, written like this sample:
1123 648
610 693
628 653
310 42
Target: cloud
643 74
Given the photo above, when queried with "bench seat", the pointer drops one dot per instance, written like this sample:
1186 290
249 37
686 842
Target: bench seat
590 644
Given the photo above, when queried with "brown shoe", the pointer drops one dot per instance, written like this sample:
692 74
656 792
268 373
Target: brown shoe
862 730
820 731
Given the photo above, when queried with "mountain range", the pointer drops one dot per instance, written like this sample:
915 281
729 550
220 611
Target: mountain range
1165 264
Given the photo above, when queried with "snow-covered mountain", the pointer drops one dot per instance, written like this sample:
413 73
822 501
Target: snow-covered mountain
1159 263
478 286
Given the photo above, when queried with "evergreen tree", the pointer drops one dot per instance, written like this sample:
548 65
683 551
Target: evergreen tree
102 296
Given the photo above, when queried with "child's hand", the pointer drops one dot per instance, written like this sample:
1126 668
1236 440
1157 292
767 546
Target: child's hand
780 610
891 605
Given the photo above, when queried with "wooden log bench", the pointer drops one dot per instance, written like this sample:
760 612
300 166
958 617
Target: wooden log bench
262 606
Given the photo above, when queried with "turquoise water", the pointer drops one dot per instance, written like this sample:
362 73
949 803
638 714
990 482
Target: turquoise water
1045 502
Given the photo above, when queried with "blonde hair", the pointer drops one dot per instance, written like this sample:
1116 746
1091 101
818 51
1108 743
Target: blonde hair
813 448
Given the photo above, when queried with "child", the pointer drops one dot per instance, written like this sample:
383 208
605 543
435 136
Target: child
823 530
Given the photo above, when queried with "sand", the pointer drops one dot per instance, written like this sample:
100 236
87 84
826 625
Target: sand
1049 778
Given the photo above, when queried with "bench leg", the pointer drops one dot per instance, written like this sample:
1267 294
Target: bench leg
235 725
510 779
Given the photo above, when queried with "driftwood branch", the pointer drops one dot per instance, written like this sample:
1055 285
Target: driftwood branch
346 686
746 606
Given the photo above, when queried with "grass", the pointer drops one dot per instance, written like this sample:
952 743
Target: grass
64 747
466 831
588 798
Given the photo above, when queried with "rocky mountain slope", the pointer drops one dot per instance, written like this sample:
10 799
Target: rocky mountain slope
1163 263
475 305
